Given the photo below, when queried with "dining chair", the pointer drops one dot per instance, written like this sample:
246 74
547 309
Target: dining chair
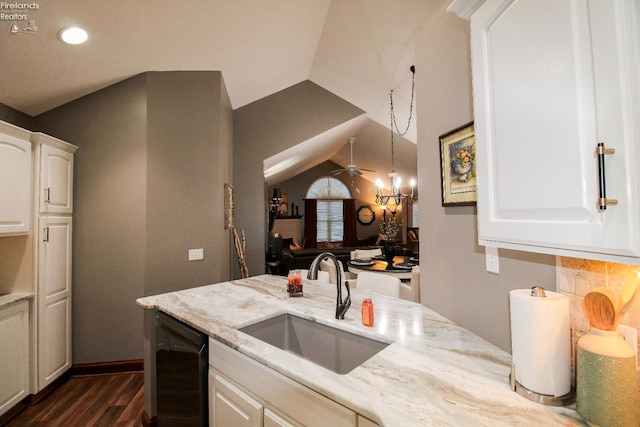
330 268
379 283
365 253
411 291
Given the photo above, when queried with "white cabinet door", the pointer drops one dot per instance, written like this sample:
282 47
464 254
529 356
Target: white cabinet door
551 80
56 180
273 419
230 405
15 185
54 299
14 355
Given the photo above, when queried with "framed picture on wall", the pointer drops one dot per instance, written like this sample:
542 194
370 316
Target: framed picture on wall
458 166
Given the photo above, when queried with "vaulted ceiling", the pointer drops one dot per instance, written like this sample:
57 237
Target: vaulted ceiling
356 49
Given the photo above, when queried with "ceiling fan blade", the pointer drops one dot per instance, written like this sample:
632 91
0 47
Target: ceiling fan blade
367 170
338 172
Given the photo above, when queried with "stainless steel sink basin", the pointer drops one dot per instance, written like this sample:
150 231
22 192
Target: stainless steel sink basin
331 348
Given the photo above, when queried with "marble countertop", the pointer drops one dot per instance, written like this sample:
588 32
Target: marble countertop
7 300
434 372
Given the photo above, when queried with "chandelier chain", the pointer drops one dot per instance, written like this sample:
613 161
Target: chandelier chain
394 199
394 124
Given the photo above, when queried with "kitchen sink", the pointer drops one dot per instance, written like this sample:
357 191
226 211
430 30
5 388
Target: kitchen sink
329 347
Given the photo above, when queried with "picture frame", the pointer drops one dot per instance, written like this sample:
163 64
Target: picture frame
228 206
458 166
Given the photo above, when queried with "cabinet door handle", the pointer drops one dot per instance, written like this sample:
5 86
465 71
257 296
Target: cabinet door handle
603 202
47 195
45 233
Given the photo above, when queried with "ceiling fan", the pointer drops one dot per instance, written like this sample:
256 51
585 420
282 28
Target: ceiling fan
351 168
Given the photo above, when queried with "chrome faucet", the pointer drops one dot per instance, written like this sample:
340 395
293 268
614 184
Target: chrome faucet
341 306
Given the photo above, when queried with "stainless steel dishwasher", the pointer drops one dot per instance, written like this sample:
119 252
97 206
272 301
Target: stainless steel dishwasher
182 357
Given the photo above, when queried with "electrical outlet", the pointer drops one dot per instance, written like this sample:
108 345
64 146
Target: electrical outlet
492 260
196 254
630 335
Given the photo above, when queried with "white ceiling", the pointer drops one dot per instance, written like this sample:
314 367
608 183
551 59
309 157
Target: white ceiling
356 49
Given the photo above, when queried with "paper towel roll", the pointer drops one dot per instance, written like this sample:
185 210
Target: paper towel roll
541 341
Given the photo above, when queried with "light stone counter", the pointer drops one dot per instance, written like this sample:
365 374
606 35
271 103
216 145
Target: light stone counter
435 373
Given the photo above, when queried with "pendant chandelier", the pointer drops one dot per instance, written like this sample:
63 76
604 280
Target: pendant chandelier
394 198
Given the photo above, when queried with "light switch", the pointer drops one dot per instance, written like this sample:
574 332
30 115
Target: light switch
196 254
491 259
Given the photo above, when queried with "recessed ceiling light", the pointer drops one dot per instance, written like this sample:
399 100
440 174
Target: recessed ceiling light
73 35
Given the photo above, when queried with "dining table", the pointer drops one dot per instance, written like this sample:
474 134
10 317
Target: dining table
400 268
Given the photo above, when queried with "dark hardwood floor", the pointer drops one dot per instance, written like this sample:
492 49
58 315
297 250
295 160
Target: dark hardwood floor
89 400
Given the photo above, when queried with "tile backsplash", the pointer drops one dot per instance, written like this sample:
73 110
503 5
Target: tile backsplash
576 277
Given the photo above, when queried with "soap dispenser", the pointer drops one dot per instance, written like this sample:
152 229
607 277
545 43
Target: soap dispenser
367 310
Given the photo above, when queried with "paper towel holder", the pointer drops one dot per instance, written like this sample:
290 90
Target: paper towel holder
544 399
538 291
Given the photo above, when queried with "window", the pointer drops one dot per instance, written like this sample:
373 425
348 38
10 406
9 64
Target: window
329 192
330 224
415 219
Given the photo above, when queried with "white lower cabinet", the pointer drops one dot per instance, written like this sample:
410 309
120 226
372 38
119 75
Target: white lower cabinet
230 405
233 406
243 392
54 299
14 355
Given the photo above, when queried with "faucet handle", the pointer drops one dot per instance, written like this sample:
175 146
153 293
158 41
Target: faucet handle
346 285
344 305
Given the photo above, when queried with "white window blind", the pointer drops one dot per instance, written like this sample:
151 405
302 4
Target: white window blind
330 223
415 219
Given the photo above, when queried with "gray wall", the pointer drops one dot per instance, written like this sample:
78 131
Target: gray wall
15 117
149 175
454 281
188 163
264 128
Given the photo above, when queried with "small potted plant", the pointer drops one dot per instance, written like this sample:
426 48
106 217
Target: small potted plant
389 229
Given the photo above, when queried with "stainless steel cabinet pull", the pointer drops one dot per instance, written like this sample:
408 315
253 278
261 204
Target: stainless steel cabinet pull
45 232
47 195
603 202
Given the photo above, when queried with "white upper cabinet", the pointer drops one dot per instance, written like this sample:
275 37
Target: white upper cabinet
552 79
15 181
56 174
